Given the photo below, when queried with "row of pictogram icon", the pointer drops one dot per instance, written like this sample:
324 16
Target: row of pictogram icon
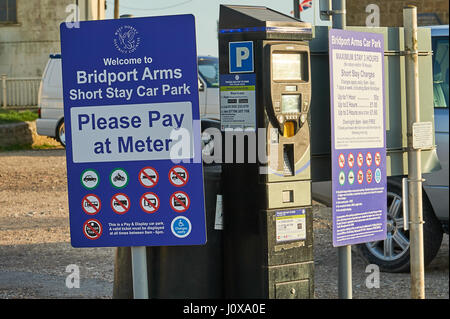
149 202
148 177
180 226
360 159
368 176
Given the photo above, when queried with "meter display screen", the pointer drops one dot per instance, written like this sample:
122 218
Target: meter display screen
288 66
290 103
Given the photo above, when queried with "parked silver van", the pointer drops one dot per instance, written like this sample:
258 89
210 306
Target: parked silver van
50 100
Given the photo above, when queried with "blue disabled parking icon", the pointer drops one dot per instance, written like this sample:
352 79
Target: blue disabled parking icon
181 227
378 175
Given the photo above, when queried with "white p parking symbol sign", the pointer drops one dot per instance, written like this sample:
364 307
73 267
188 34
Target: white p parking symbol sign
241 57
242 53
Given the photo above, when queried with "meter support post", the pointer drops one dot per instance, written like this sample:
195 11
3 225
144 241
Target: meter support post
339 14
414 155
344 252
116 9
296 9
345 272
5 101
139 270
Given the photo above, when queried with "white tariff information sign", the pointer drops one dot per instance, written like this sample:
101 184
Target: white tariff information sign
290 225
422 135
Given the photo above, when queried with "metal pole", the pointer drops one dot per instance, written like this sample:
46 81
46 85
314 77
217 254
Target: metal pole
344 252
116 9
339 14
4 90
414 160
296 9
330 7
139 270
345 272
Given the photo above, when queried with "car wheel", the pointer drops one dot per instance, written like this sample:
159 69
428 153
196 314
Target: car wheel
61 133
392 254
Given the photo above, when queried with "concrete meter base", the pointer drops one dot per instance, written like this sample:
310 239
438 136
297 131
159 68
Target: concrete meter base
262 260
290 265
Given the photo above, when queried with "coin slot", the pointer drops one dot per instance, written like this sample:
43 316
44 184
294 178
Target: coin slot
288 196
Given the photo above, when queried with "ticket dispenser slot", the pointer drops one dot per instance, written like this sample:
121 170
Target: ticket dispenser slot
267 205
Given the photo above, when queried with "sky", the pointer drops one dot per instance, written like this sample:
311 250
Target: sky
206 14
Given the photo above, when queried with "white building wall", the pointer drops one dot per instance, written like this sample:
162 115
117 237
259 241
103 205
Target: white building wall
25 46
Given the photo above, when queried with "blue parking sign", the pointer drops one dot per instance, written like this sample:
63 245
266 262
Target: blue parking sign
241 57
131 112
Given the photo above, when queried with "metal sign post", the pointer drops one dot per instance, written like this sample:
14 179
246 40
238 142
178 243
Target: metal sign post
139 264
414 154
344 252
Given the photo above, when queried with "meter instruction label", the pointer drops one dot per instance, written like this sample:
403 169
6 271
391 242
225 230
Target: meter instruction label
237 101
290 225
358 135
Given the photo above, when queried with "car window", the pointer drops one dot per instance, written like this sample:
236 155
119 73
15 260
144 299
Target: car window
209 70
55 75
440 72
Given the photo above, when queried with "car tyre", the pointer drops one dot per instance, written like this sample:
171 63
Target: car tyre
392 254
61 133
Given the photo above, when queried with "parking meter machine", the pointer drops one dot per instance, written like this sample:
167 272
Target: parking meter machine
265 94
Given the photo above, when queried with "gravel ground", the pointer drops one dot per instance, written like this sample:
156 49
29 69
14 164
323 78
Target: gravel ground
34 232
35 242
392 286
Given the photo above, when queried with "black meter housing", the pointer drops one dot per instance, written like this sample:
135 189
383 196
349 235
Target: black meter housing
268 237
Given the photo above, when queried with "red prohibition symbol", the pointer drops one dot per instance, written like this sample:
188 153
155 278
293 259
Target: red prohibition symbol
351 160
377 158
120 203
91 204
92 229
369 159
341 160
360 159
178 176
149 202
180 202
360 176
148 177
369 176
